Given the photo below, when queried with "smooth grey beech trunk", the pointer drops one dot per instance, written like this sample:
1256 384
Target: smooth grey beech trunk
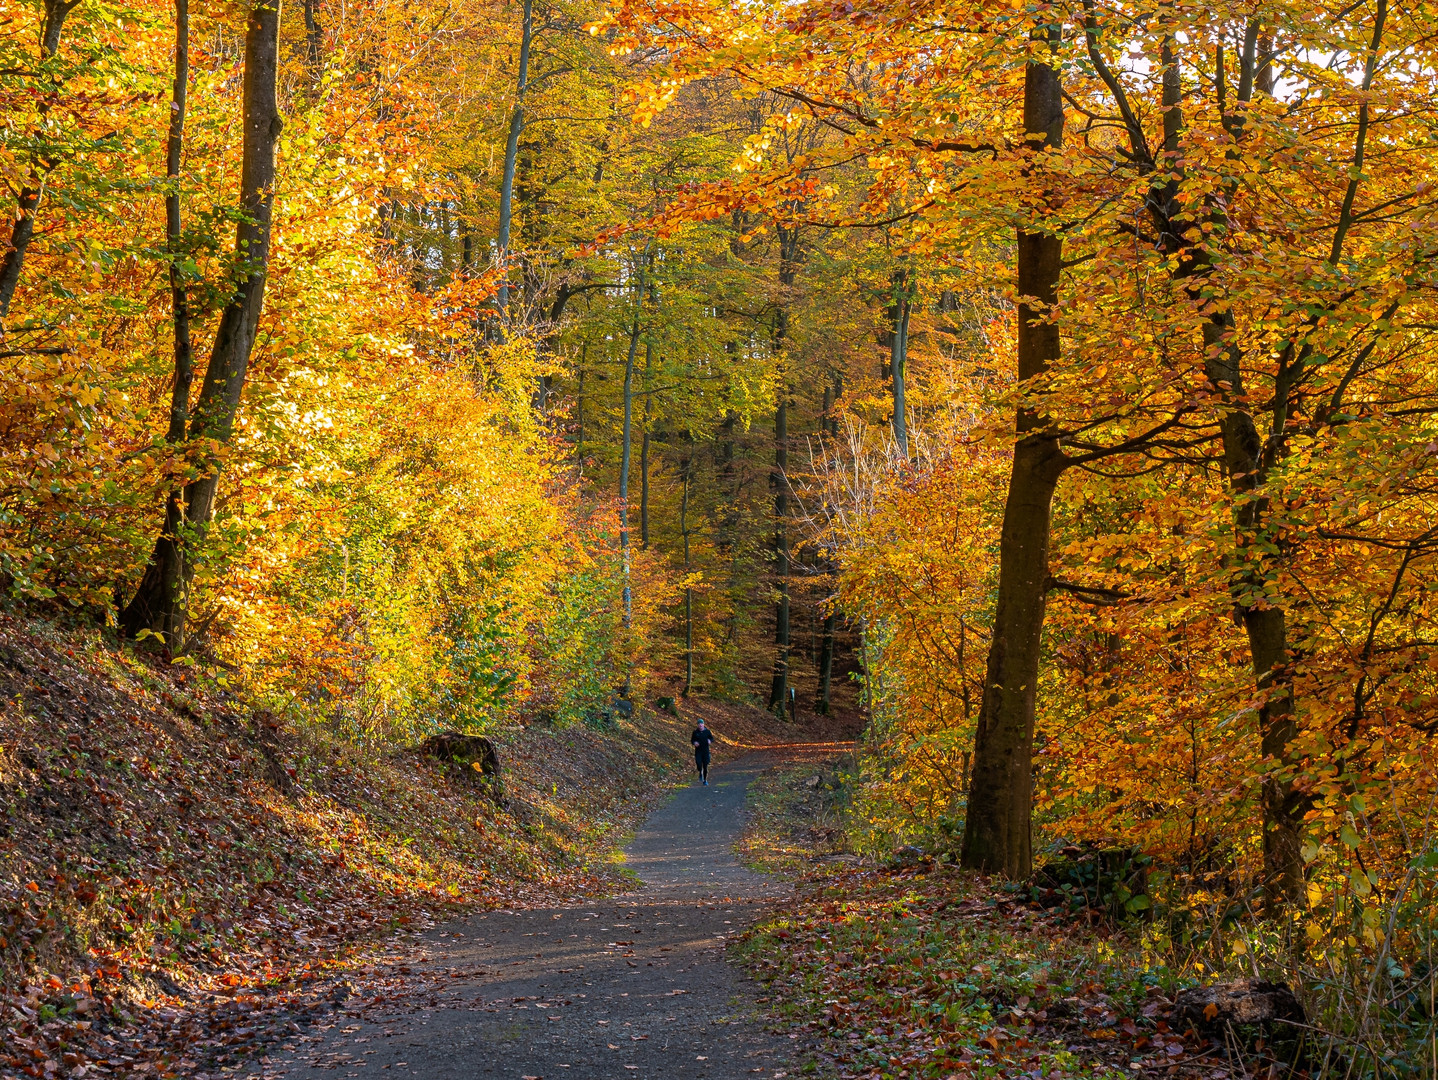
998 824
159 604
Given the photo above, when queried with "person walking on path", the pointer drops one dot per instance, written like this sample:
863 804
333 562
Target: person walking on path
700 739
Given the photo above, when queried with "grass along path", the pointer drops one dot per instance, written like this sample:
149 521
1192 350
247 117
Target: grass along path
920 970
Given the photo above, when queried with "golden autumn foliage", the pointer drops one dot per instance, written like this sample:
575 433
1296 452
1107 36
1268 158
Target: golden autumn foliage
1236 675
689 344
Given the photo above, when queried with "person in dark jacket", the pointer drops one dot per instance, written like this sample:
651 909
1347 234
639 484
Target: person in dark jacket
700 739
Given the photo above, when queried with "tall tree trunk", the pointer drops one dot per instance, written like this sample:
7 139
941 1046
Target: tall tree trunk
1246 460
170 556
688 589
179 291
997 828
159 602
788 271
627 436
511 153
644 485
23 230
314 39
826 665
726 535
899 313
644 452
579 413
822 702
779 691
1283 805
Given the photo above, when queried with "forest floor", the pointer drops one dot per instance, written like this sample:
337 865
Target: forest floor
189 888
912 968
186 881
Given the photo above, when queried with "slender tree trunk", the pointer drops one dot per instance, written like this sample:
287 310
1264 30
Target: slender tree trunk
779 692
179 291
899 353
511 152
826 665
579 412
997 830
314 38
688 590
1247 463
788 271
826 644
169 560
726 537
644 486
23 230
159 602
644 452
627 437
728 486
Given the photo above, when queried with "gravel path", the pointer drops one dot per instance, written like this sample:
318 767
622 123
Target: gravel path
631 987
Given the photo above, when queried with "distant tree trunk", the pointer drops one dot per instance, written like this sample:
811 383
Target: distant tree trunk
314 39
579 412
23 230
688 590
899 313
788 271
511 152
627 438
726 534
827 426
997 831
729 519
779 692
159 602
826 665
644 486
179 292
644 453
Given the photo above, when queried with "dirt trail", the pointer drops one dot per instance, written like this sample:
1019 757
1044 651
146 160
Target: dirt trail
630 987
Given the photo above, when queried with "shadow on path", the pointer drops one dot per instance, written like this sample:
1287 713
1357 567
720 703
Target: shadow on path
633 986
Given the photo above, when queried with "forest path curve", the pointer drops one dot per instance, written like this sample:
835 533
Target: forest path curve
623 988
